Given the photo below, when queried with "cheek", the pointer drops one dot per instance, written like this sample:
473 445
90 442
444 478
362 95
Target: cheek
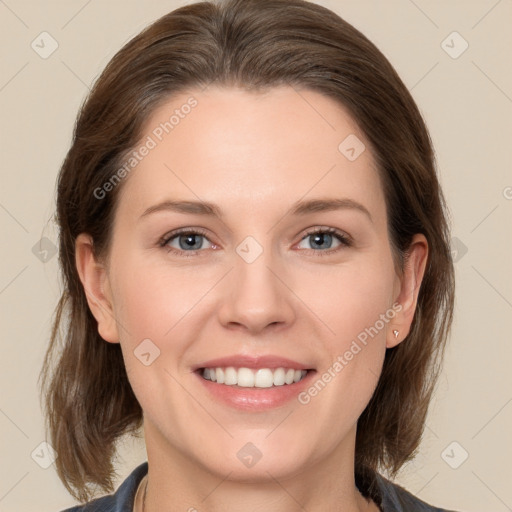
357 308
152 299
350 298
156 303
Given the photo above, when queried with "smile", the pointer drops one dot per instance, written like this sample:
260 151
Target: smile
253 378
254 382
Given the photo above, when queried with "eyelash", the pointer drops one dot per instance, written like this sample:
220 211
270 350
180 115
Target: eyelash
344 239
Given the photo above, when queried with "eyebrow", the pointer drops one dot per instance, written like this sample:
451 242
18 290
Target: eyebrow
299 208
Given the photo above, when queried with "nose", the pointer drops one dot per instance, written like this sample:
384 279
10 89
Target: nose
256 296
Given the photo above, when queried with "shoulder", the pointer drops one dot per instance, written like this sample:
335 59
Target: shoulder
121 500
396 499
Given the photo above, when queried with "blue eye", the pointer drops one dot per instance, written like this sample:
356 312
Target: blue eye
322 238
189 242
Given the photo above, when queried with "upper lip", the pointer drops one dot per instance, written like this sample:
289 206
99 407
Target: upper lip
247 361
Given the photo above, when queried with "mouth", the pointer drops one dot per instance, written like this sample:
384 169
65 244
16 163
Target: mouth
253 383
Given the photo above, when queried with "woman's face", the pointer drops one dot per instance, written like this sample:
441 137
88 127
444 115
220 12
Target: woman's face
253 288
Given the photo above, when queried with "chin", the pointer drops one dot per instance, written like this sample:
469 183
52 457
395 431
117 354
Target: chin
259 462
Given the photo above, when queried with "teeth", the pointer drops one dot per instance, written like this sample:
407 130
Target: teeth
245 377
264 378
248 378
231 376
279 376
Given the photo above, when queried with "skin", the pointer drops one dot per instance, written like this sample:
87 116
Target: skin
254 155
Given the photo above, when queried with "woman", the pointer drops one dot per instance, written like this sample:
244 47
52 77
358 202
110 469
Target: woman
257 270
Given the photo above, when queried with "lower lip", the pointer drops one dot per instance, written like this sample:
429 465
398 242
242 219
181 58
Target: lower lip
256 399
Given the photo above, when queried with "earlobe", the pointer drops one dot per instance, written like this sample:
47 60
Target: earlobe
410 283
95 282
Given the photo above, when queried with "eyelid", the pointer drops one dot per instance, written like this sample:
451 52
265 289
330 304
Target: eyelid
181 231
330 230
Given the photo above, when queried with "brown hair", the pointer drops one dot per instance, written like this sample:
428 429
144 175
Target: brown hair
251 44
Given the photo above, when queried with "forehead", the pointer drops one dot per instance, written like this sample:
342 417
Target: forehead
251 152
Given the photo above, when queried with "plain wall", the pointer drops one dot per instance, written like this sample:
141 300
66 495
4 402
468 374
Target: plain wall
467 104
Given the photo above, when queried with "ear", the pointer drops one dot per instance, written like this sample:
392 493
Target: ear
409 287
95 281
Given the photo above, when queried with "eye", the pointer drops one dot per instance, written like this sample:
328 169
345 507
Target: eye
323 238
185 240
189 242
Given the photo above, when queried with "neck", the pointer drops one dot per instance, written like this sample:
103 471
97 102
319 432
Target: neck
178 483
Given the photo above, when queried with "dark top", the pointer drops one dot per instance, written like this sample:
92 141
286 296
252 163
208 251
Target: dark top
389 497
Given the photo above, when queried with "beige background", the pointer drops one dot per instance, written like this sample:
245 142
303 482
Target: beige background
467 103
